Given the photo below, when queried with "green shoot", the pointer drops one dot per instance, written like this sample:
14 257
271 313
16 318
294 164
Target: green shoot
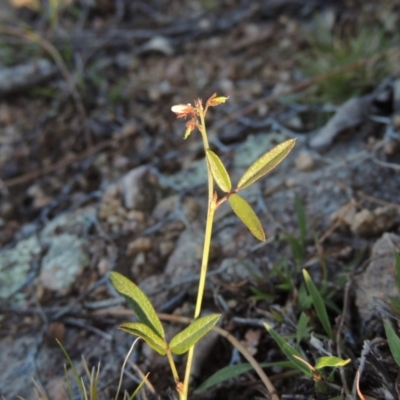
318 303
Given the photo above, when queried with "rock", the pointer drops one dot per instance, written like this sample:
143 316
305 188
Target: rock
378 280
254 147
18 367
371 223
345 214
193 175
14 79
55 388
190 207
40 199
7 12
55 331
159 44
104 266
15 264
166 248
304 161
63 263
185 259
139 189
349 115
236 271
75 223
141 244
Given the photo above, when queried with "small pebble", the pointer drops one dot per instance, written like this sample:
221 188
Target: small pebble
304 161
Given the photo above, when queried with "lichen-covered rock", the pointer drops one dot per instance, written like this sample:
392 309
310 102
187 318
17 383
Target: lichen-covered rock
15 264
63 263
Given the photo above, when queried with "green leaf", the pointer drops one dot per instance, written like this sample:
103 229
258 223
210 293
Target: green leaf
147 334
260 295
289 351
218 171
297 249
185 339
397 260
232 371
318 303
75 373
330 361
247 215
304 299
303 329
139 387
395 304
393 340
265 163
138 301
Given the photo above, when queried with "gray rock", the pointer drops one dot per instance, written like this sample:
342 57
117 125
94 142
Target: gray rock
139 188
63 263
20 77
15 264
350 114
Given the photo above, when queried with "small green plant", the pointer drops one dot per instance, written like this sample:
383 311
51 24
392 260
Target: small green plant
87 385
148 325
364 52
391 336
303 331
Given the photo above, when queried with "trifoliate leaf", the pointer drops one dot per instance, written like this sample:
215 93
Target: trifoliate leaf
138 301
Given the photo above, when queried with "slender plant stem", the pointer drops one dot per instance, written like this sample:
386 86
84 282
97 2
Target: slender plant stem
212 202
172 365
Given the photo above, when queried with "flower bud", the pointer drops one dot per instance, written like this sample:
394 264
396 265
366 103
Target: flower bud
182 110
190 125
215 101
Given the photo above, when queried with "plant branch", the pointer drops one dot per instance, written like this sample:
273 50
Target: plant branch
212 201
237 345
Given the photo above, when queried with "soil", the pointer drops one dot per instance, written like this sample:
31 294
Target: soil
95 177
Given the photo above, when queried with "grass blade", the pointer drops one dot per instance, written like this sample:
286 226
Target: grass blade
393 340
318 303
290 352
232 371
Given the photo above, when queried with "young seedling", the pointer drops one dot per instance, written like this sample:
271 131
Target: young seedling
148 325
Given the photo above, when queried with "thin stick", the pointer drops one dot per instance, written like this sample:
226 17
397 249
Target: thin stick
123 367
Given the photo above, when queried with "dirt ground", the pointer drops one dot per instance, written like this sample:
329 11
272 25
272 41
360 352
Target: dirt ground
95 177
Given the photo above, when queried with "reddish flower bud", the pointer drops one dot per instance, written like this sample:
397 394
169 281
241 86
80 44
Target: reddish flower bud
190 125
183 110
